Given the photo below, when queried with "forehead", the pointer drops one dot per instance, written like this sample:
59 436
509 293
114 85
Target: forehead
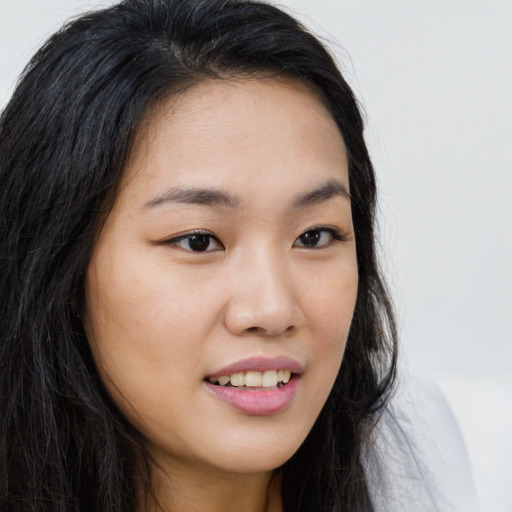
223 132
237 102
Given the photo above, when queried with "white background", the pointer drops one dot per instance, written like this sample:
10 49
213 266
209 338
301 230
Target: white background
435 79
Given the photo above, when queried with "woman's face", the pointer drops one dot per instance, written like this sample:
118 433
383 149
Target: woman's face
229 253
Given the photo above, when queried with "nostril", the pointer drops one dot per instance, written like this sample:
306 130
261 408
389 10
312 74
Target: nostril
260 331
257 330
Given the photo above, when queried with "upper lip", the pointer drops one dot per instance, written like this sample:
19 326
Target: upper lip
259 364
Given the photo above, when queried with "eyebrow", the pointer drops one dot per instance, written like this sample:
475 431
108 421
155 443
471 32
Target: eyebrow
203 196
218 198
332 188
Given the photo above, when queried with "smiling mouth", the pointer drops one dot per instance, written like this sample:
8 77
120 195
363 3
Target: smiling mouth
253 379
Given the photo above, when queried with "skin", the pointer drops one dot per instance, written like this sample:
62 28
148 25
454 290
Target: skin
160 317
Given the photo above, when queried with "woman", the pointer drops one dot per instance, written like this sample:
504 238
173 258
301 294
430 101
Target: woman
192 312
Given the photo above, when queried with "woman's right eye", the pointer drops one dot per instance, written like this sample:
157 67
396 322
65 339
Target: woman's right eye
196 242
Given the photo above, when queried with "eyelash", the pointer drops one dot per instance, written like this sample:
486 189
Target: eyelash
334 234
198 233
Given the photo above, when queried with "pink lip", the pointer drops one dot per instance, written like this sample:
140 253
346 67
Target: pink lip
260 402
259 364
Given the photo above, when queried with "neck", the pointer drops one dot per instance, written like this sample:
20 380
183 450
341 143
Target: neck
198 489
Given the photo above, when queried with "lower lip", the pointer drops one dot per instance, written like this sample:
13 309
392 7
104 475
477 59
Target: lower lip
257 403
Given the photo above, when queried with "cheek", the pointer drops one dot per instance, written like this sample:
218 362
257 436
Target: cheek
144 329
138 303
330 301
330 307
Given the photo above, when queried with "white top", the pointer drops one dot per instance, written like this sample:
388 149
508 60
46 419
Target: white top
418 461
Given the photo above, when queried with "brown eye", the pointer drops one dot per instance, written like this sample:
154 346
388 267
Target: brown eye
199 243
310 238
318 238
196 242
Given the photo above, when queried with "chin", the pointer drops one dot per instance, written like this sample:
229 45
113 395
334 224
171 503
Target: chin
262 463
259 456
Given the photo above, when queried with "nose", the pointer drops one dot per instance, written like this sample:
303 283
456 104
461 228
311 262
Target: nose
264 298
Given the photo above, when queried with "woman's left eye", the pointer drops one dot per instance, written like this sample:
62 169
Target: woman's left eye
318 238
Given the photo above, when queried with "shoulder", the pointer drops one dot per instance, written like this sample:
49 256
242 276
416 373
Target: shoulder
416 458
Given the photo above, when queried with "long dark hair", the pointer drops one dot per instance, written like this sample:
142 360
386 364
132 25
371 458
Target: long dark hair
64 140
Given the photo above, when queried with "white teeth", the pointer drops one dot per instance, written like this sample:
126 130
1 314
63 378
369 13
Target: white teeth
223 380
253 379
237 379
269 379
